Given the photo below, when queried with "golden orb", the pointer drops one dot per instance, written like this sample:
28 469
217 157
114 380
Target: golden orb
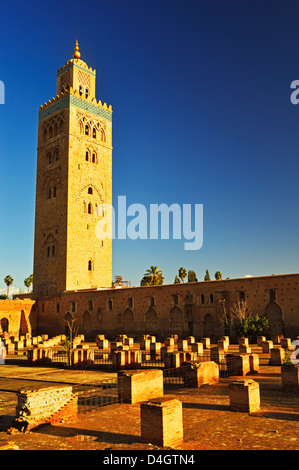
76 53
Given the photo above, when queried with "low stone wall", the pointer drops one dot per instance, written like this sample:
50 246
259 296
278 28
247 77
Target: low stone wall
42 405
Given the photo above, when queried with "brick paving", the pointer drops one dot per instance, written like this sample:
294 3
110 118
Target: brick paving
208 423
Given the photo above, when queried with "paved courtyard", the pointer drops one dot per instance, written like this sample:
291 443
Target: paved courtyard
207 420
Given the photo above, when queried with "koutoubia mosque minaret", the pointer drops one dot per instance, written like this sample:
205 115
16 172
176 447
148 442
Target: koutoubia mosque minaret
73 183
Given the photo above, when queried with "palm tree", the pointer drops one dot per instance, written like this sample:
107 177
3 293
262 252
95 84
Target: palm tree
154 276
8 281
28 281
182 273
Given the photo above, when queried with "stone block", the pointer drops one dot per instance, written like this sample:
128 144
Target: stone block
206 342
290 377
267 346
260 340
47 404
140 385
244 349
254 363
162 422
286 343
204 373
277 356
244 395
197 348
243 342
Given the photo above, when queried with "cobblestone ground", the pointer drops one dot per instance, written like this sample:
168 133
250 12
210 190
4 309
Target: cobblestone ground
208 422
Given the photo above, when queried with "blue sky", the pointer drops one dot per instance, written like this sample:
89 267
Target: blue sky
202 115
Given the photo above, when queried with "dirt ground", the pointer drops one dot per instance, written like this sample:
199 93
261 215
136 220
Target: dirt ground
208 422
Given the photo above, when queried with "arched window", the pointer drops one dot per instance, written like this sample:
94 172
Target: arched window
90 190
49 157
54 191
89 208
87 155
93 157
56 155
50 193
89 265
80 90
86 93
94 133
103 135
86 129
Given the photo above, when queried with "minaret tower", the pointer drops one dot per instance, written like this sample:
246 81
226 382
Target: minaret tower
73 183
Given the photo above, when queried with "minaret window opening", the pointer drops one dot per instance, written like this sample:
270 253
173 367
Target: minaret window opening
80 90
86 93
86 129
87 155
90 190
89 265
89 208
94 133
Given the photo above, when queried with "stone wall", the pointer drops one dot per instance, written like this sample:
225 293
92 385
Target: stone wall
49 404
182 309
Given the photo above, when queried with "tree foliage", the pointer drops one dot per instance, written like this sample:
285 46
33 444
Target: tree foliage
192 276
8 281
207 276
182 274
152 277
253 325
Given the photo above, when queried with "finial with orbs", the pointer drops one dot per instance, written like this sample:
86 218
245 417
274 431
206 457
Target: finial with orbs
76 53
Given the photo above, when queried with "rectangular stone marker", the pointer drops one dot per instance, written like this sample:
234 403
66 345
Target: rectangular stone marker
162 422
140 385
244 395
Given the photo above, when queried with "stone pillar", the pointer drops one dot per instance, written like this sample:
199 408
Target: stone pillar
254 363
145 344
119 359
260 340
243 349
223 344
206 342
198 374
140 385
267 346
242 364
162 422
197 348
169 342
277 356
244 396
243 342
183 345
172 360
286 343
290 377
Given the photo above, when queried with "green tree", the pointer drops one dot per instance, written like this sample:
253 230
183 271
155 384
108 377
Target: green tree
182 274
28 281
177 280
253 326
154 276
218 275
8 281
207 276
192 276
